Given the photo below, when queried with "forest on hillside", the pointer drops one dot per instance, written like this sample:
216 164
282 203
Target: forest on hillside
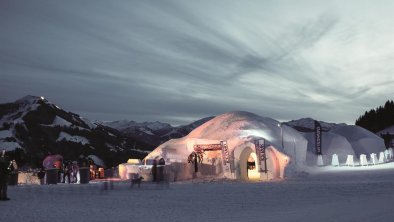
377 119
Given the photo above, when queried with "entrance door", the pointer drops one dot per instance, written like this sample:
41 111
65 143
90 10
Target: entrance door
248 168
253 173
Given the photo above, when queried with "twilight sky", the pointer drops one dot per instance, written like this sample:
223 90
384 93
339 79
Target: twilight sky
178 61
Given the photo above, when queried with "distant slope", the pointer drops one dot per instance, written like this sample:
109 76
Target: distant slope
389 130
154 133
32 128
308 125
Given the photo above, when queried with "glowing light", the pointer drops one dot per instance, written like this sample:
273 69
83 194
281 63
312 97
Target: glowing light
41 97
253 174
134 161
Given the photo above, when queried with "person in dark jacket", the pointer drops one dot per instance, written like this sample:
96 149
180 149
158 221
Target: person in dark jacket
154 171
41 176
67 172
160 170
5 169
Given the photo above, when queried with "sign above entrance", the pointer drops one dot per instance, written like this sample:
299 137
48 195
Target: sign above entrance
207 147
222 146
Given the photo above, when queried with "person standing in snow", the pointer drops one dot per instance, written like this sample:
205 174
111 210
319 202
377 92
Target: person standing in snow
160 170
75 170
67 172
5 169
41 176
154 170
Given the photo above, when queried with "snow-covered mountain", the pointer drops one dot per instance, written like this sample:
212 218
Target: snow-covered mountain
308 125
154 133
148 127
33 127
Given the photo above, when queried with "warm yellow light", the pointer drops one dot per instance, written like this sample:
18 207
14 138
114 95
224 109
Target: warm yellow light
253 174
134 161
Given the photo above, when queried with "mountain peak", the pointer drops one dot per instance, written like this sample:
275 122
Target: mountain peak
29 99
38 127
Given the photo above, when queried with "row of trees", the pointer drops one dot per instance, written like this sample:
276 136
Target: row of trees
378 119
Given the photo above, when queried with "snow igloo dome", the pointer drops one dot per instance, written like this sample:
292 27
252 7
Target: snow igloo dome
231 144
343 141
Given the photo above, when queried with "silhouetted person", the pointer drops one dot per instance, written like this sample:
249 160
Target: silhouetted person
75 170
67 172
41 176
160 170
154 171
5 169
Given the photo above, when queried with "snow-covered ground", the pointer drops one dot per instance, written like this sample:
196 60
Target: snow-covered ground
327 194
75 139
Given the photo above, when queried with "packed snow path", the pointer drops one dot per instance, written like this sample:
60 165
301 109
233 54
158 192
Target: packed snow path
332 196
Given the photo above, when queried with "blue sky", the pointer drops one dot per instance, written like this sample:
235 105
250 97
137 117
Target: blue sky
178 61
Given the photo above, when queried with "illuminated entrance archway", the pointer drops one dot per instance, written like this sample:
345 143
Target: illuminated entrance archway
248 165
276 163
251 165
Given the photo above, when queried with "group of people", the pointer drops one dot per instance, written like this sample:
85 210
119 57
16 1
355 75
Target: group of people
69 172
6 167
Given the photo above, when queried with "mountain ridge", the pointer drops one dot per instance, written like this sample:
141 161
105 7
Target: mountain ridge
32 127
308 124
156 132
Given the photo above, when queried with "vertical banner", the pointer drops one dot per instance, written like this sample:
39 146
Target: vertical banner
318 138
225 157
261 155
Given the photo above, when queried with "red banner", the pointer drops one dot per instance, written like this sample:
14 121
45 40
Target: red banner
207 147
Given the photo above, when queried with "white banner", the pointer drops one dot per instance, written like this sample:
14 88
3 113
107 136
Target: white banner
261 155
225 157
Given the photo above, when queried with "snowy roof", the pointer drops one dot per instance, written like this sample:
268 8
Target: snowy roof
236 128
354 132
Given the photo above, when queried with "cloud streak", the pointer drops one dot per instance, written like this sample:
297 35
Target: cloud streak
176 61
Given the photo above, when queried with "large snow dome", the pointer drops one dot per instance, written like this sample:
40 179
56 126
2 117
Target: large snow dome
285 148
362 140
331 144
343 141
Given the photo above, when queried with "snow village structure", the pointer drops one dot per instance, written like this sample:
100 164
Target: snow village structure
236 145
243 145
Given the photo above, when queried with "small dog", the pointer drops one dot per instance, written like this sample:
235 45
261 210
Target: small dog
136 181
